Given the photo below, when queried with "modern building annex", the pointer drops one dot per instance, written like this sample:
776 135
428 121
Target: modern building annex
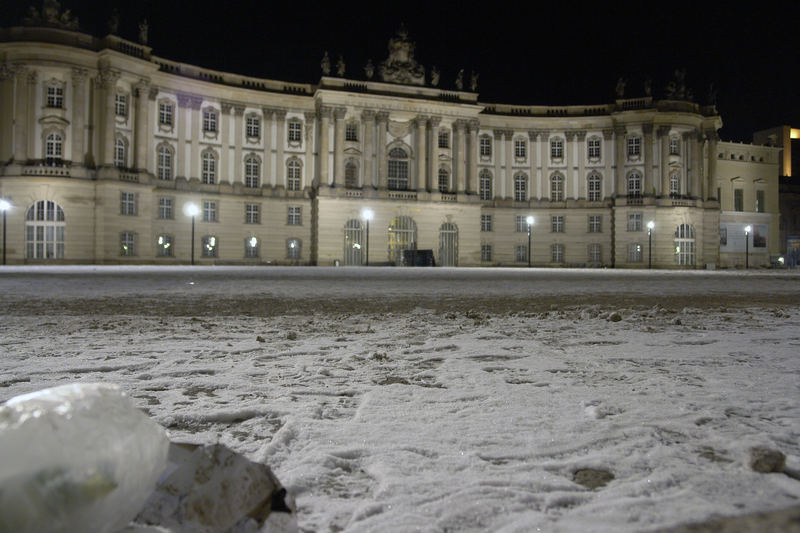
104 146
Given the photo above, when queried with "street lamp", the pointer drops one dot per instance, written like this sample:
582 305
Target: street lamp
529 220
650 226
367 215
747 230
4 206
192 210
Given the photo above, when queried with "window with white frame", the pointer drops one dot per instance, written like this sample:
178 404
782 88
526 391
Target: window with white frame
209 211
293 249
209 167
53 148
593 148
351 175
486 222
486 252
398 169
444 138
684 245
351 132
121 105
166 111
521 253
557 148
674 145
164 162
127 203
127 243
485 146
294 216
55 95
294 172
164 246
252 214
521 188
634 185
557 223
634 253
521 223
209 245
594 182
210 120
45 225
120 153
252 171
444 180
294 131
557 188
485 185
634 222
557 253
520 148
595 223
634 146
251 247
595 253
674 184
165 208
253 127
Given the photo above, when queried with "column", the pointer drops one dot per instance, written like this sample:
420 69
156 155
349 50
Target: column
180 153
280 142
30 120
648 186
368 119
459 144
620 188
686 159
570 181
500 190
580 190
309 177
152 94
713 138
238 132
225 146
6 111
544 178
472 157
383 123
663 136
338 146
269 159
420 123
79 99
432 183
107 82
508 159
324 119
194 136
21 115
697 163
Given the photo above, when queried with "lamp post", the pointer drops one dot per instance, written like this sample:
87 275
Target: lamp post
650 226
529 220
191 210
4 206
367 214
747 230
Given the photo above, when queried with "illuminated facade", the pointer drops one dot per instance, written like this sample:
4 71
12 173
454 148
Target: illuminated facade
103 145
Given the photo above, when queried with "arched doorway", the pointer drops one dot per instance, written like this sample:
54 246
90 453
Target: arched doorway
402 236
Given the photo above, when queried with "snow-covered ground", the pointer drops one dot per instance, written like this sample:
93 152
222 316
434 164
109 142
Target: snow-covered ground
443 399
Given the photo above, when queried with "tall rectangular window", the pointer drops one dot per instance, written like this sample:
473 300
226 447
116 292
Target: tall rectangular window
759 201
556 148
351 132
210 121
594 223
486 222
557 223
520 149
634 222
486 252
485 146
444 138
127 203
55 96
165 113
165 208
164 246
635 253
121 105
295 131
595 253
738 199
127 243
521 223
521 253
294 216
634 146
209 211
593 148
557 253
253 127
252 214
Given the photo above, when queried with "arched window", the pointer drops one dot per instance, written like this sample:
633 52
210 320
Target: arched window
351 175
634 185
120 153
674 185
448 244
53 148
444 180
294 173
402 236
684 245
557 188
594 187
164 163
398 169
209 167
44 231
353 242
486 185
520 187
252 171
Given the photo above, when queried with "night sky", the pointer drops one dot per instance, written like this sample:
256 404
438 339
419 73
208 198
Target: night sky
560 53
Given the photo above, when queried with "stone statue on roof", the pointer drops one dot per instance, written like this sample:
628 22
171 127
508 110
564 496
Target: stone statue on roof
51 16
325 64
400 66
340 67
143 29
460 80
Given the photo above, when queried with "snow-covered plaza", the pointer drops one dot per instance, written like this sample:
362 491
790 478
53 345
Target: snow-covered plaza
443 400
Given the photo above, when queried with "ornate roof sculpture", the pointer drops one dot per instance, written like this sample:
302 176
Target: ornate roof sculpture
52 16
400 66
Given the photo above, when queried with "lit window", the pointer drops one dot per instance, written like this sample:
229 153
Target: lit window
557 223
293 175
351 132
295 131
520 188
165 113
444 180
121 105
55 96
594 183
164 246
398 169
165 208
595 253
209 121
595 223
127 243
486 252
127 203
556 148
444 138
593 147
209 246
486 222
209 211
520 148
252 214
485 146
253 127
209 167
634 146
485 185
634 222
557 253
293 249
251 247
164 164
252 172
635 253
557 188
294 216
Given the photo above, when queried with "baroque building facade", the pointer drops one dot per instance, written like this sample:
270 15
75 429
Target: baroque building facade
103 145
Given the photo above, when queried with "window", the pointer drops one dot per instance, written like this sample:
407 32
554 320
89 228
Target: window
210 120
164 246
127 203
127 243
521 253
252 172
520 148
595 253
55 95
557 223
486 222
121 105
165 113
209 211
485 185
486 252
164 164
293 249
448 244
595 223
53 146
44 231
351 132
209 167
253 127
521 223
252 214
165 208
485 146
294 216
209 246
557 188
120 153
398 169
557 253
520 188
674 185
634 253
738 199
402 236
634 146
444 138
759 201
353 242
556 148
593 148
593 186
634 185
295 131
444 180
351 175
684 245
723 236
674 146
251 247
294 173
634 222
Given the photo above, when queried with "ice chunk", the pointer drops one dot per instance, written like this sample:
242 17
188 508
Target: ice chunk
76 458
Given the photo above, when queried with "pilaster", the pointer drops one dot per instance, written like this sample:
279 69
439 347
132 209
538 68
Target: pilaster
382 119
238 132
338 146
620 188
280 141
79 99
106 81
501 188
648 187
368 174
459 143
309 177
141 124
269 157
432 183
419 134
570 179
324 114
713 139
663 137
472 157
225 137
